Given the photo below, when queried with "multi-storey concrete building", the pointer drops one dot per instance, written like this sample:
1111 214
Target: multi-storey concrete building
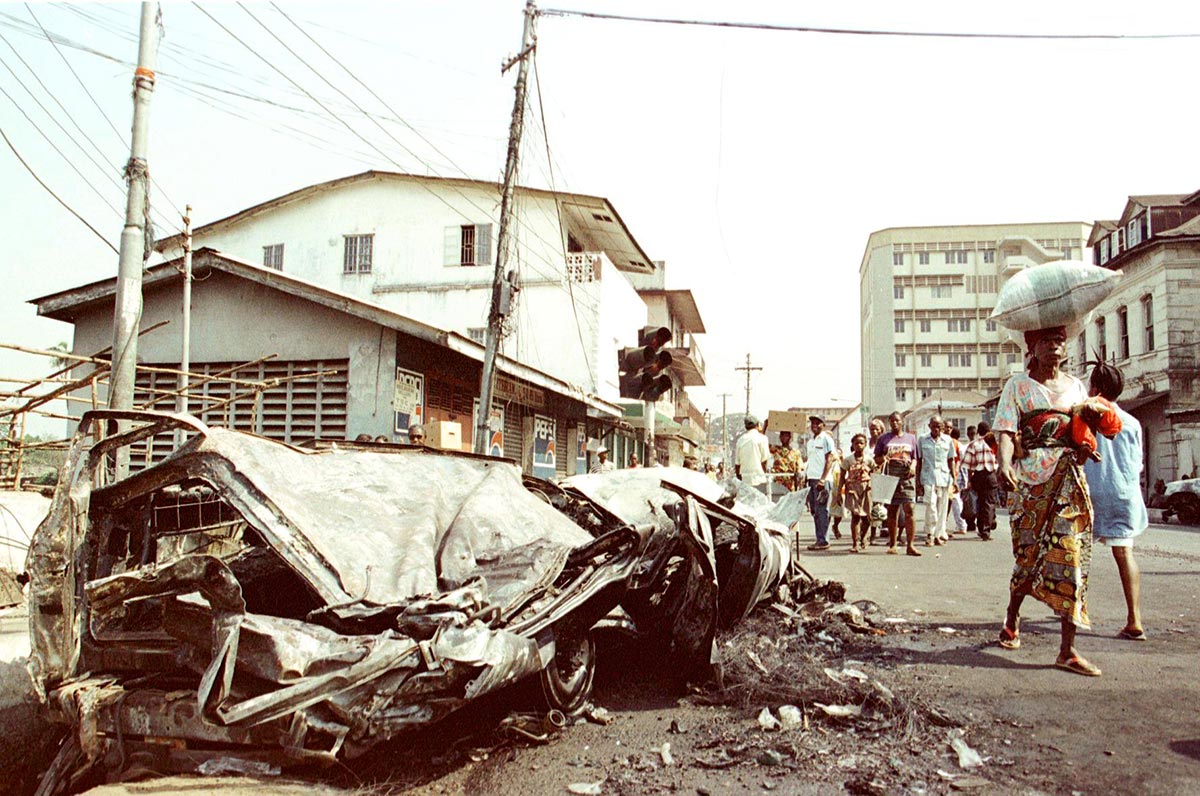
1149 328
926 294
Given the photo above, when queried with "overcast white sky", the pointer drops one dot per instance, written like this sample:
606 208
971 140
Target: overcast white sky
755 163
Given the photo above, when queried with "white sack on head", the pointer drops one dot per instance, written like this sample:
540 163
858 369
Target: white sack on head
1053 294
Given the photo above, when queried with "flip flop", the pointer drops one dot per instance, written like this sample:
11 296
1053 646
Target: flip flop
1077 665
1009 639
1132 635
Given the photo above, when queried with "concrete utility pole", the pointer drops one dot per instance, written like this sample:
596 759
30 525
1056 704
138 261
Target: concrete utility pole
134 250
748 369
724 430
501 286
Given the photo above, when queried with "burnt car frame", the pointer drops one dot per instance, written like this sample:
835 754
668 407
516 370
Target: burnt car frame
251 600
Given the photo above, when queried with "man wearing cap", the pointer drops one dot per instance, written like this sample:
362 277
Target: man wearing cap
601 464
821 456
751 456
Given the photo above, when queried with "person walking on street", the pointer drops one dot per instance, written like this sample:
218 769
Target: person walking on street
938 468
1052 511
1114 481
787 461
820 460
896 454
959 487
878 513
752 455
979 462
856 491
969 501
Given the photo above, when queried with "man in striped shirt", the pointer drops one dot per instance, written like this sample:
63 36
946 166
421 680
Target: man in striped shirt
979 460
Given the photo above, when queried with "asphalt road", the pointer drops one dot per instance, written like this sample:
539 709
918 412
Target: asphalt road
1132 730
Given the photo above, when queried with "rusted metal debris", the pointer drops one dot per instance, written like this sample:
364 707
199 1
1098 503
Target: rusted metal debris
286 606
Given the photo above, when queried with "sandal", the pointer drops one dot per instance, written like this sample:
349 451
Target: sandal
1077 665
1132 635
1009 639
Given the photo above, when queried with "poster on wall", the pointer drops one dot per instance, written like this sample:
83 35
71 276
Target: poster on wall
495 429
544 455
408 400
581 441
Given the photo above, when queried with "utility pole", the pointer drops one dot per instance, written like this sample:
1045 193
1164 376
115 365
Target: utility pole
185 352
748 369
134 250
501 286
724 431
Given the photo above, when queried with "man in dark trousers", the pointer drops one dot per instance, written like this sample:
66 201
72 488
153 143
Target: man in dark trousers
981 464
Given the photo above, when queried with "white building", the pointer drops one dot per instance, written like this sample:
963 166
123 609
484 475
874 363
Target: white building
926 294
425 247
1149 326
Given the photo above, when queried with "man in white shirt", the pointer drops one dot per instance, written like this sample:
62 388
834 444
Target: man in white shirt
750 461
602 464
820 456
937 463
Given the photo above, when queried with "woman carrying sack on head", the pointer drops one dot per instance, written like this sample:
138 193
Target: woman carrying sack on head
1051 511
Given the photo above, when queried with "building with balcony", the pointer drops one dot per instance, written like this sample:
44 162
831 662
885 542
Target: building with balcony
925 297
425 248
1149 328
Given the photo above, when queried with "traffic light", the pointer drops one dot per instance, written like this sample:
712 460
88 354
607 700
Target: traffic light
645 372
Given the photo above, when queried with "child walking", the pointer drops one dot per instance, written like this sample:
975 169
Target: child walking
856 491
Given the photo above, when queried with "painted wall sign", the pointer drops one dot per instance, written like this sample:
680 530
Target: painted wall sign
408 400
495 429
544 455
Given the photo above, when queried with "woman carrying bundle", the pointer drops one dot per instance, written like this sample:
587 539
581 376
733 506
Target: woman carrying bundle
1051 512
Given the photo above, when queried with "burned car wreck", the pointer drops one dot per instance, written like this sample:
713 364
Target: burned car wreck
260 602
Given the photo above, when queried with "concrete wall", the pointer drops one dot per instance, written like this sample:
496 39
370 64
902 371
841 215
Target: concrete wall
236 320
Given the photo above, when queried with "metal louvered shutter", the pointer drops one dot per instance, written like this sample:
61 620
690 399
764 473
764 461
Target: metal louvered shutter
561 451
514 433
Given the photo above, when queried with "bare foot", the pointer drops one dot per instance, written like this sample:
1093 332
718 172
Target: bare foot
912 551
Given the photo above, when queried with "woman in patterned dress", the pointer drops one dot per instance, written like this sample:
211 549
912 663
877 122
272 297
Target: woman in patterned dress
1051 512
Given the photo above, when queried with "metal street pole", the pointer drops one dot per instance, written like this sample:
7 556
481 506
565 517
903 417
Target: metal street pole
185 352
501 288
134 249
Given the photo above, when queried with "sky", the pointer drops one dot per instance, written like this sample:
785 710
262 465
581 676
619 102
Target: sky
754 162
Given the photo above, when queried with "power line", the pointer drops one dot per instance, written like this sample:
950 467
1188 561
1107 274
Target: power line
50 191
560 12
61 154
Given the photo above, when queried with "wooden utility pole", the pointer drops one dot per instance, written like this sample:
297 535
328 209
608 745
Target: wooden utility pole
128 311
724 430
501 285
748 369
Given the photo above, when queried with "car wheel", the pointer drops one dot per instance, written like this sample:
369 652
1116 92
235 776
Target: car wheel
567 680
1187 508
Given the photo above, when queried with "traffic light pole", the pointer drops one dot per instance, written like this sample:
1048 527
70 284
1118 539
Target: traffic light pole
649 412
500 286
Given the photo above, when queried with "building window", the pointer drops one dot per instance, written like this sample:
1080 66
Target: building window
897 258
941 291
991 360
922 258
1148 317
926 360
926 325
898 324
901 393
959 360
1011 359
1101 341
989 325
1114 244
357 257
468 245
898 291
901 360
273 256
958 325
477 334
1104 251
1123 333
925 393
953 258
989 255
1133 234
1082 345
